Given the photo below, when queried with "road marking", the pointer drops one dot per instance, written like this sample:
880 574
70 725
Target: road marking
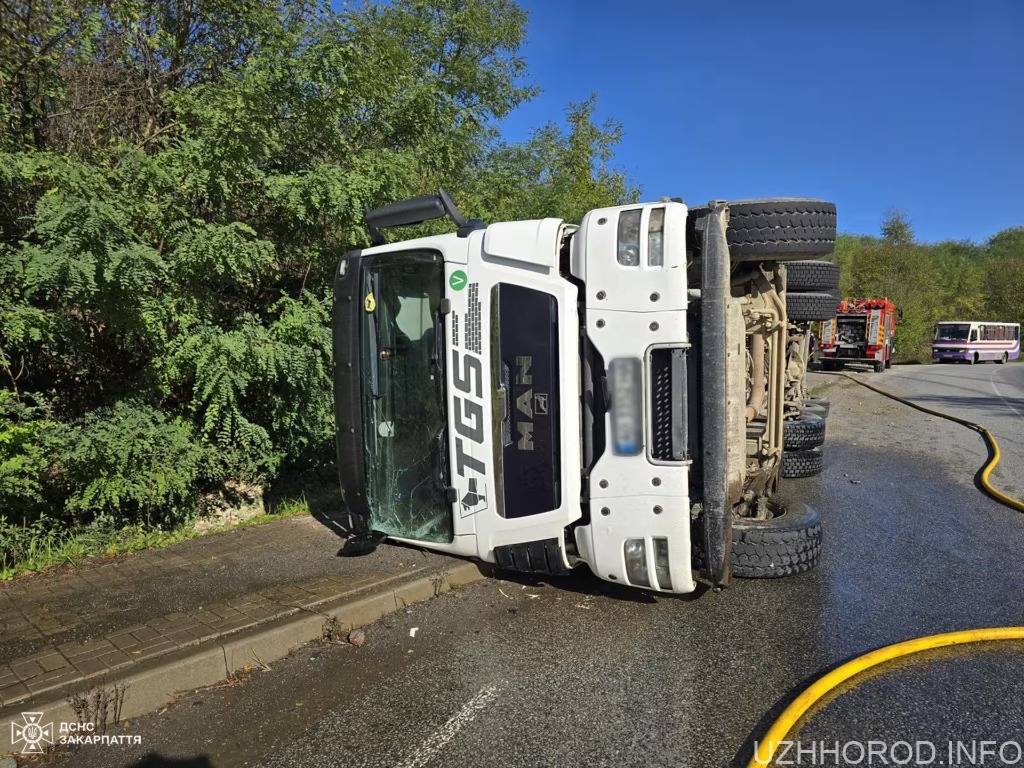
999 394
440 738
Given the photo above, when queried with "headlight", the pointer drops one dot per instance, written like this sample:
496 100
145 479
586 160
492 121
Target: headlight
628 245
656 238
625 374
635 551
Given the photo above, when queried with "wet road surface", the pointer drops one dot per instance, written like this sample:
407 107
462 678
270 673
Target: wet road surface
576 672
987 393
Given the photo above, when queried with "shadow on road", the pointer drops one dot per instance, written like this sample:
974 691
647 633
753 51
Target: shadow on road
582 582
154 760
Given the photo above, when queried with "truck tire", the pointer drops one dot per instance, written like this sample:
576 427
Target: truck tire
802 463
812 276
808 431
811 306
814 410
822 403
773 229
783 546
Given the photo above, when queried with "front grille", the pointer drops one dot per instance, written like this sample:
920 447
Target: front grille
668 404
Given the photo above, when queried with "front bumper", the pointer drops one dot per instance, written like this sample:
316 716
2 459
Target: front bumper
947 355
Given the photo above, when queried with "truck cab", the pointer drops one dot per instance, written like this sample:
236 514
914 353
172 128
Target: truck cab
542 395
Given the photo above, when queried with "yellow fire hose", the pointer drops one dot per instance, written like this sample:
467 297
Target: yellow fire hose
993 446
790 717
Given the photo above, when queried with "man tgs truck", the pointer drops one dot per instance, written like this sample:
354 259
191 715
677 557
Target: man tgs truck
542 395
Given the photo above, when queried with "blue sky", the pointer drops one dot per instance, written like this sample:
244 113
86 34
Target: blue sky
914 104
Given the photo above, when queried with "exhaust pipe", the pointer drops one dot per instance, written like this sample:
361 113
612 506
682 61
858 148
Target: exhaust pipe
714 292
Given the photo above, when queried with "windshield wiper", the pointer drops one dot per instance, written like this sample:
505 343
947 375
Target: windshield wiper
443 308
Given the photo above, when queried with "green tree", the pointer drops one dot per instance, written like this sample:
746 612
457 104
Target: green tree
559 171
1004 276
896 228
177 183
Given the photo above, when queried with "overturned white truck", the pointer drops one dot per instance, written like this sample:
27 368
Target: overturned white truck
542 395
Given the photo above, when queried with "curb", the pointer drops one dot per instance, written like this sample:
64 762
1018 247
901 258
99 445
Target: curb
154 683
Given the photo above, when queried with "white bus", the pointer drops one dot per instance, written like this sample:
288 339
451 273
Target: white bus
975 342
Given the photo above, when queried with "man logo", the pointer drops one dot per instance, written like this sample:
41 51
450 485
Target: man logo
32 732
525 402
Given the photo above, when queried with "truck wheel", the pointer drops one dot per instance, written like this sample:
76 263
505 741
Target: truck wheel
814 410
805 463
879 367
779 229
822 403
787 544
811 306
812 276
808 431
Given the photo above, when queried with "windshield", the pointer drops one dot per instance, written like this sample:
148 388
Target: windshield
952 332
403 395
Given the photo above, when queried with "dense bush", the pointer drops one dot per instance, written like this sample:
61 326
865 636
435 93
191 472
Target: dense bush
25 445
129 463
177 183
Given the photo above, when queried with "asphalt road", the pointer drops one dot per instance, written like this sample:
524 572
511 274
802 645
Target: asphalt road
576 672
987 393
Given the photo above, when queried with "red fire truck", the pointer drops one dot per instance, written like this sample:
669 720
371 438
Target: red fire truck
863 331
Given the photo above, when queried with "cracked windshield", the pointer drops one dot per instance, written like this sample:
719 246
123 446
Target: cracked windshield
404 415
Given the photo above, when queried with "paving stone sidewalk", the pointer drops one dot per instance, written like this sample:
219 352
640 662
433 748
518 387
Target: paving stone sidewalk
70 624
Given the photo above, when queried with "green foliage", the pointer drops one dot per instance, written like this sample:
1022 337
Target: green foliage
558 172
25 431
44 543
177 183
896 229
29 546
130 461
1003 279
933 282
